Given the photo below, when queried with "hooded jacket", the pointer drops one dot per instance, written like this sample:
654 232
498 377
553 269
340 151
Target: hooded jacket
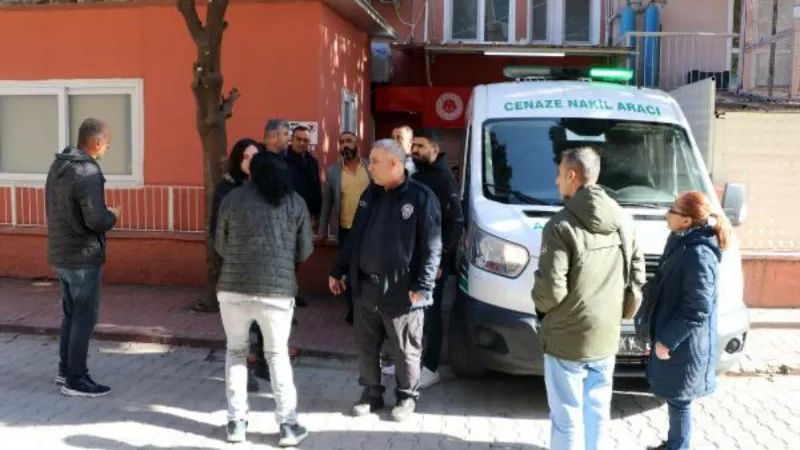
579 285
439 179
684 291
77 215
225 186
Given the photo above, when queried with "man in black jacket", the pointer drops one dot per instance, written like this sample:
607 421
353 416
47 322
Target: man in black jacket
392 255
305 172
434 172
77 221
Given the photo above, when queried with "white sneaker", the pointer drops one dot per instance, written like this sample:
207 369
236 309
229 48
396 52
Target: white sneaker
388 369
428 378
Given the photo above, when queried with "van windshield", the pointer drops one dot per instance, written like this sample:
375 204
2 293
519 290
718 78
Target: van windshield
642 164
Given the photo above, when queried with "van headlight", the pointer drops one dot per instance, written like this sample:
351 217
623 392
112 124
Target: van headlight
496 255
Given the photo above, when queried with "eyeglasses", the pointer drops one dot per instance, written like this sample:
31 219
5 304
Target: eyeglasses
676 212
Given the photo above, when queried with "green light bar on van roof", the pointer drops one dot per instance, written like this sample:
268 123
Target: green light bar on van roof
569 73
610 74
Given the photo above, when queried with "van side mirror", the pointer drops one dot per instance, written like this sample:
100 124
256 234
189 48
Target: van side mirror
734 203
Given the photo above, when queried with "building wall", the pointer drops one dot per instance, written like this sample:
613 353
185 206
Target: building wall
272 52
344 63
759 150
711 16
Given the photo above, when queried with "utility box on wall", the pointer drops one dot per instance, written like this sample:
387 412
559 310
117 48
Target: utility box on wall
381 62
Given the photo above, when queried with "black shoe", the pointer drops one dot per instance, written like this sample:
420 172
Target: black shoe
237 431
85 387
292 435
661 446
368 403
300 302
404 409
349 318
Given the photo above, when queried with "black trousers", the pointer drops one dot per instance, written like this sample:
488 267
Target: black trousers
348 293
257 349
433 334
403 331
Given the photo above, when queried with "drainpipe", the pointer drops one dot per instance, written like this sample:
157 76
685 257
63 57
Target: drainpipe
609 18
742 44
425 30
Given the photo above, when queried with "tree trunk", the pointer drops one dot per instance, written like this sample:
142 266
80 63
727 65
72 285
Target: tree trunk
212 112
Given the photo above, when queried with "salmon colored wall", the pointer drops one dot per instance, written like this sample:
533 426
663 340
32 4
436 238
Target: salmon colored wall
772 281
344 58
274 80
273 53
145 259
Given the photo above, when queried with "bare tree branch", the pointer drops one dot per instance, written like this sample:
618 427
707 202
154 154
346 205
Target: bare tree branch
226 107
188 10
212 110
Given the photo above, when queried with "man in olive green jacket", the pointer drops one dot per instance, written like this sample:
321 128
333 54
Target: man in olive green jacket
578 293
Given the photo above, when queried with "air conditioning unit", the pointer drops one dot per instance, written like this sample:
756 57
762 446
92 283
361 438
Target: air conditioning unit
381 62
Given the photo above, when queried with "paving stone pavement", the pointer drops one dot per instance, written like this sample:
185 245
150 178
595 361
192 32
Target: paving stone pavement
173 398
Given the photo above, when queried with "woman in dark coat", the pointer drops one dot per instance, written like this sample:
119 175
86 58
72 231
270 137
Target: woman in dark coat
238 171
683 325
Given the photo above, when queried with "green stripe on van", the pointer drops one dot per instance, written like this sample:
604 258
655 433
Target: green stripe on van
463 284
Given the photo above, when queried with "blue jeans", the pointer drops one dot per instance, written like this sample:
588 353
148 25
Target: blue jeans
579 395
680 424
80 300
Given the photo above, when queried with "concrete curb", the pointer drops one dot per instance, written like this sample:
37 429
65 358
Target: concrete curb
177 341
768 371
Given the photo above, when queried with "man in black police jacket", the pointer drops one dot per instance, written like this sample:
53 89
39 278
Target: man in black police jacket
392 256
434 172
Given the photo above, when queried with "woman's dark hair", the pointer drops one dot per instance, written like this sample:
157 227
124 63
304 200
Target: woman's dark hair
236 157
695 205
271 176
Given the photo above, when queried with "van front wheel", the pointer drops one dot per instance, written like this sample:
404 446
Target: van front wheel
463 364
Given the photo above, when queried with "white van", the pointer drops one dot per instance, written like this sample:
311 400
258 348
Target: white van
513 133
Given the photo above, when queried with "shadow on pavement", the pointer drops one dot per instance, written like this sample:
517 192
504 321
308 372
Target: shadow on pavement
332 440
101 443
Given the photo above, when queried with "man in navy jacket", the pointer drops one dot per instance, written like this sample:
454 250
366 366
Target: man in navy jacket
392 257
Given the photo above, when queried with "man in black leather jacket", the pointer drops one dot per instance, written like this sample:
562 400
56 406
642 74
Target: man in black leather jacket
392 256
77 221
434 172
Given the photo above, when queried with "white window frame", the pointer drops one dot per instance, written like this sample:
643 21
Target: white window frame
555 23
133 87
481 25
349 100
